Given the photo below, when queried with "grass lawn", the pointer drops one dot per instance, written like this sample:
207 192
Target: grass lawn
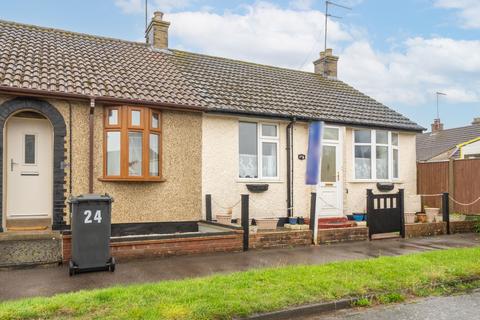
244 293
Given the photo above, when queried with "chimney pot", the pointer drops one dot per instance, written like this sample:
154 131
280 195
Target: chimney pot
437 126
157 31
327 64
476 120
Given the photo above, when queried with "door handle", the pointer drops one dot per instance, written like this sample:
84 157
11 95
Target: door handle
12 163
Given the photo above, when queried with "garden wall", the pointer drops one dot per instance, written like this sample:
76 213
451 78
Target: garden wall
280 239
326 236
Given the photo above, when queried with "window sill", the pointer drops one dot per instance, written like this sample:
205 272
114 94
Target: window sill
107 179
259 181
375 181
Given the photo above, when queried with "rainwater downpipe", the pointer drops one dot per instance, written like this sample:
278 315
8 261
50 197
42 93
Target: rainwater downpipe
90 146
289 149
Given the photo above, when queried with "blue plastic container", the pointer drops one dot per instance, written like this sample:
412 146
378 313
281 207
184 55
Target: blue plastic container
359 216
292 220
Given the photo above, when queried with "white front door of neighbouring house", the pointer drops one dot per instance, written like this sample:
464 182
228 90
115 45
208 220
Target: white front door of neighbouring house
29 166
329 189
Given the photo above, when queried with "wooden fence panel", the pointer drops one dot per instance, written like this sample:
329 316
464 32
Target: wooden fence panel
466 174
432 178
464 178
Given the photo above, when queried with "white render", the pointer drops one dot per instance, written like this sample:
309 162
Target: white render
220 156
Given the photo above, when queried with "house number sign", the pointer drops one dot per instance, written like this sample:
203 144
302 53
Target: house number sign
97 217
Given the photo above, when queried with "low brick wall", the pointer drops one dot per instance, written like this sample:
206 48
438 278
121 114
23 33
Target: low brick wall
123 250
280 239
462 226
425 229
342 235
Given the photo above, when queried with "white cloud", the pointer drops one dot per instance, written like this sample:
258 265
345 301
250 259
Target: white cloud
413 75
263 33
138 6
468 11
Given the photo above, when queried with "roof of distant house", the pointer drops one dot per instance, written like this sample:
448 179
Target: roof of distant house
431 144
63 62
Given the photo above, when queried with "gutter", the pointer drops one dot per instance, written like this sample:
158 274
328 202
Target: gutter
98 99
289 133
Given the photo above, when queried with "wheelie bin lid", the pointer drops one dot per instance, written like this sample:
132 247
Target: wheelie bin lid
91 197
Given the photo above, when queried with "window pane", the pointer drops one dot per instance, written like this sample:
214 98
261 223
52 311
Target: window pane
248 150
134 153
330 134
154 156
395 163
363 163
362 136
113 153
113 117
269 159
136 117
269 130
382 137
382 162
329 164
155 120
395 139
29 149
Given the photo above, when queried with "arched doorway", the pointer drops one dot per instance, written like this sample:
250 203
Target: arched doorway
32 179
29 171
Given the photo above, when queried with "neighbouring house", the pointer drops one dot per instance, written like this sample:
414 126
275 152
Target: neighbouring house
443 144
159 128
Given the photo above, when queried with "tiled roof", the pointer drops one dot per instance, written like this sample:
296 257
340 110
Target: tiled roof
430 144
59 61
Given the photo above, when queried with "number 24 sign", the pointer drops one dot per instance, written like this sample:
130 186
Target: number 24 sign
97 217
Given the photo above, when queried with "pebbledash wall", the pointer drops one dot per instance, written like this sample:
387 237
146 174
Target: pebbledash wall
176 199
220 158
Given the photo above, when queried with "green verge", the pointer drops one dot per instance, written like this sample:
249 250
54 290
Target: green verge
261 290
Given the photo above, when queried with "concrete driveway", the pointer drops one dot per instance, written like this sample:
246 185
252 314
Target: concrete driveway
48 281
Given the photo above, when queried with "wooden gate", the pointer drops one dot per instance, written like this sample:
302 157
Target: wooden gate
385 213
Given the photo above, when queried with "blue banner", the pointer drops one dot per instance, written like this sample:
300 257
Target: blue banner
314 156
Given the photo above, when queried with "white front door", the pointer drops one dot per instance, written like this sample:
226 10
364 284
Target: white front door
29 166
329 189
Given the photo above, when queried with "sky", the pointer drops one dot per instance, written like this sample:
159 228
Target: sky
399 52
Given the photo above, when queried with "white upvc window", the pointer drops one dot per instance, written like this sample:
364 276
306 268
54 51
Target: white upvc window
376 155
258 150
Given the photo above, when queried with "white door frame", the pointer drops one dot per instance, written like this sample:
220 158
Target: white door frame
339 176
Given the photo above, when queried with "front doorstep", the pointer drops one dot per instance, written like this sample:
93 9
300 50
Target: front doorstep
19 249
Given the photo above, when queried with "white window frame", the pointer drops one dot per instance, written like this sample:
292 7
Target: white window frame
260 140
373 148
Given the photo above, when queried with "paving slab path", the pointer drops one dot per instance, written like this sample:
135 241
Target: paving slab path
47 281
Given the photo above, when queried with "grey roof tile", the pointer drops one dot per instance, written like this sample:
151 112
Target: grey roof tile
59 61
430 144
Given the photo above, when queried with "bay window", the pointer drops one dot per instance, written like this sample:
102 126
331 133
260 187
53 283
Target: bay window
375 155
132 144
258 150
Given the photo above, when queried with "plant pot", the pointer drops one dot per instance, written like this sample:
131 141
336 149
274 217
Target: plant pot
292 220
431 213
306 221
266 223
439 217
359 216
421 217
301 220
224 218
409 217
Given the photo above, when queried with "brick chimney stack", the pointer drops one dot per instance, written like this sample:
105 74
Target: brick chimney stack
157 32
327 64
437 125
